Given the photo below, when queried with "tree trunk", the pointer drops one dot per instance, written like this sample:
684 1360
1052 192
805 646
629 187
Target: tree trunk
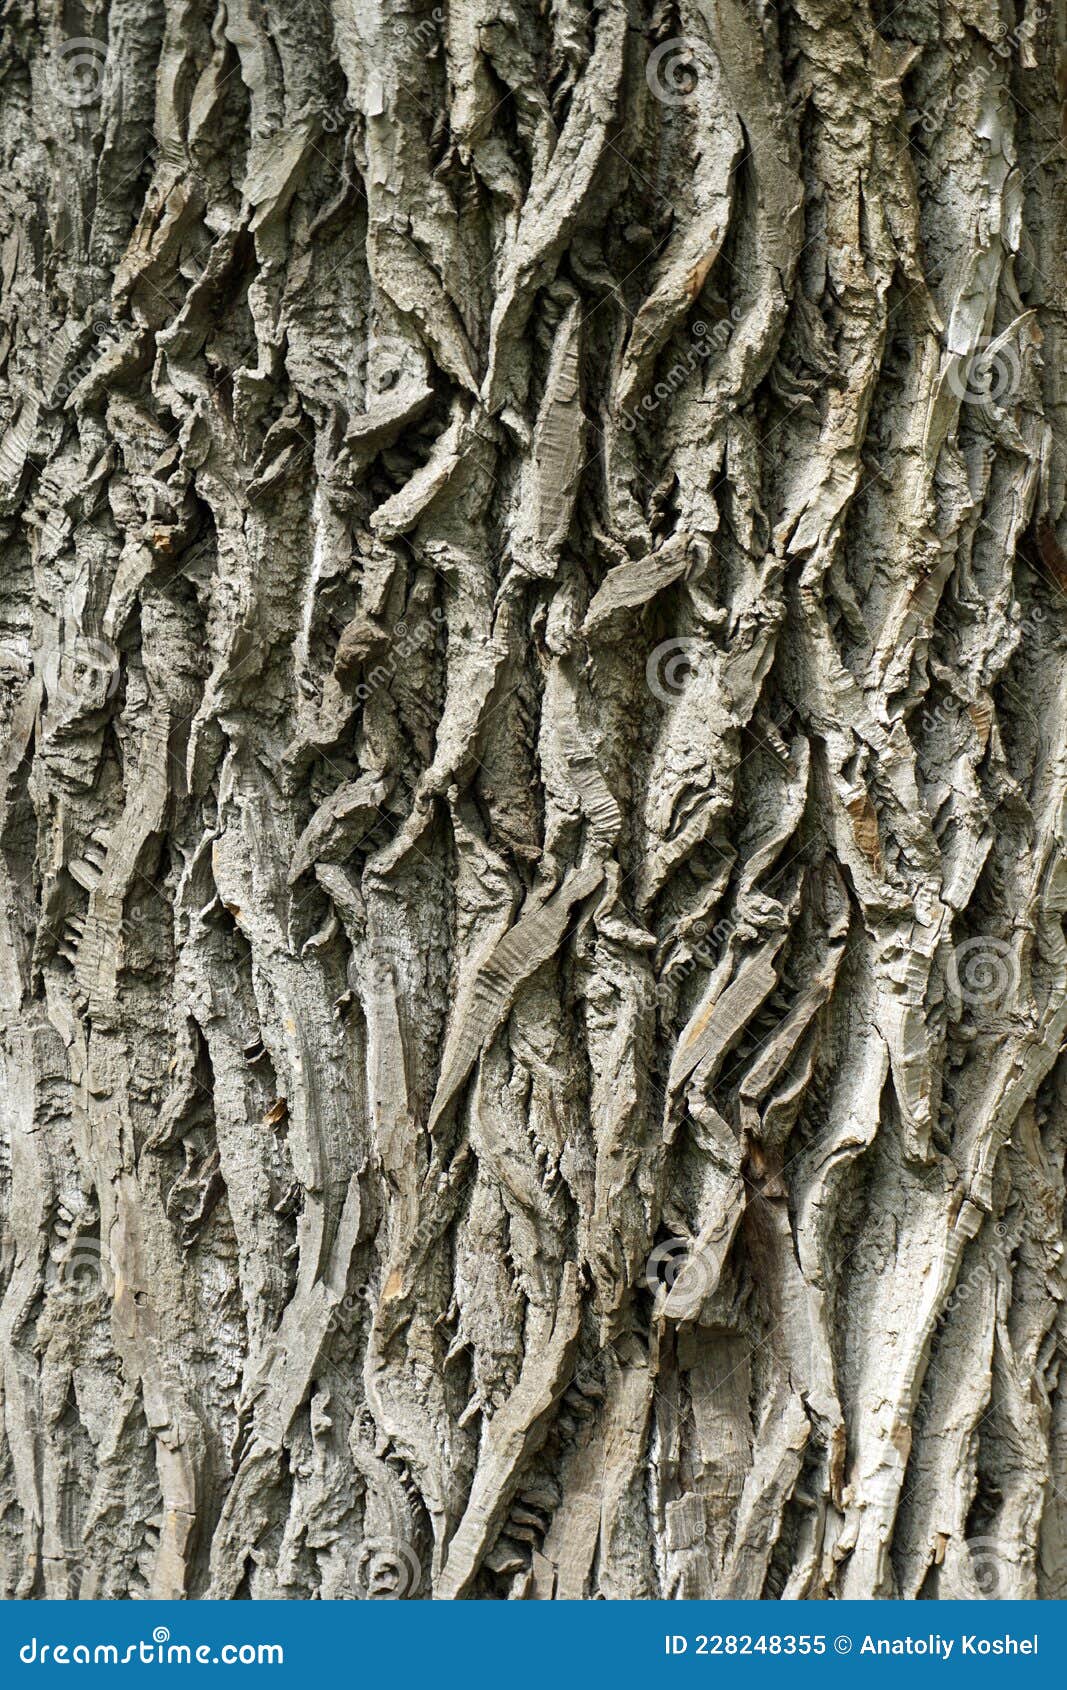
534 752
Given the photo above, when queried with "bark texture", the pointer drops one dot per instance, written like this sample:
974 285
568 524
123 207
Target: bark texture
534 740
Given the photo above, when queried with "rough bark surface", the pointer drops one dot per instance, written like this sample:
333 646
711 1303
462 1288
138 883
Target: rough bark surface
534 745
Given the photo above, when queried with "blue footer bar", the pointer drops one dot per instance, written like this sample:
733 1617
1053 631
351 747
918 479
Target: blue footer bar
517 1644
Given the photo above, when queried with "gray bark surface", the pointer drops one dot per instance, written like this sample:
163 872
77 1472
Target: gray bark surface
533 742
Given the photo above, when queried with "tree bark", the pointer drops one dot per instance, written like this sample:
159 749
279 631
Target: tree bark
532 808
